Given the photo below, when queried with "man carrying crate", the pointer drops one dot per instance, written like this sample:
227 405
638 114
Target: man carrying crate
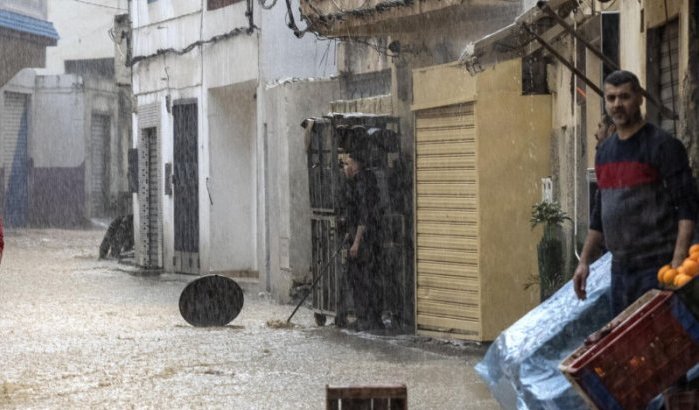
646 205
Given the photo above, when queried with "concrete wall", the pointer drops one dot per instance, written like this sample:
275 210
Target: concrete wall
282 55
31 8
83 30
232 180
286 105
60 123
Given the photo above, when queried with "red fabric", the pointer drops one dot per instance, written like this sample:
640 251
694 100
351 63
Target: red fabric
625 175
2 238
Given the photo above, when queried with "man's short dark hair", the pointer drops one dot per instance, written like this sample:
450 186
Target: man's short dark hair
620 77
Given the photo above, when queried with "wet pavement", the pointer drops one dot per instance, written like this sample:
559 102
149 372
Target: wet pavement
80 333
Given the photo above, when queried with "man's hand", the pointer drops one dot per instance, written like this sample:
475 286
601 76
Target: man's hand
354 250
580 280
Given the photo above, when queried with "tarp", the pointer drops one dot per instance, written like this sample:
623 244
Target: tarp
521 366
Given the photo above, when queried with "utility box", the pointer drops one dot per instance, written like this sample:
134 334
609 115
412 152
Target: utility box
481 151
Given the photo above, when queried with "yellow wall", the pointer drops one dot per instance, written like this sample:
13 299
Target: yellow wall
513 137
442 85
513 155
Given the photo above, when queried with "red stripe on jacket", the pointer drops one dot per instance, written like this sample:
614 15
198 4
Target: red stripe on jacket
625 174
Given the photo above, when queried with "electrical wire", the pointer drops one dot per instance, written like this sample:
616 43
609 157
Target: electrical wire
99 5
233 33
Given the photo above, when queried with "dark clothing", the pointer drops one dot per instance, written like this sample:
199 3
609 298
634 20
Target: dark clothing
361 209
630 284
645 187
2 238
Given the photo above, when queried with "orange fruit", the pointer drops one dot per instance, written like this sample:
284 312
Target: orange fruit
669 276
694 256
662 271
690 267
694 248
680 280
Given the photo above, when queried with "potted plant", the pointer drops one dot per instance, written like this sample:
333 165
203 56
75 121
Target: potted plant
550 248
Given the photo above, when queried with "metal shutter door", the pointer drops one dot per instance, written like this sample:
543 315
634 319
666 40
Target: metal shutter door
669 72
448 297
14 158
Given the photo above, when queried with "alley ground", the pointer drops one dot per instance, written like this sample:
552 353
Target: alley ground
80 333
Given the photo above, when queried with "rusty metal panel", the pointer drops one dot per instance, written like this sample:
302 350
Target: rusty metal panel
447 215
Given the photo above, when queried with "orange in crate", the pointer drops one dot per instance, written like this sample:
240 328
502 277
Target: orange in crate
653 343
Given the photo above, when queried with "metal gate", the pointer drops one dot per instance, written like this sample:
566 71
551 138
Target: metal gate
99 143
448 298
15 159
149 198
186 188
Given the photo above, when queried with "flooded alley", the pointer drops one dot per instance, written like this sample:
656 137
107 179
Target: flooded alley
81 333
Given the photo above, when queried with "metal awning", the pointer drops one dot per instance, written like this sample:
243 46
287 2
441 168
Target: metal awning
512 41
538 27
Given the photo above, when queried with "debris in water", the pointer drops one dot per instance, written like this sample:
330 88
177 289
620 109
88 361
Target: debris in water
280 324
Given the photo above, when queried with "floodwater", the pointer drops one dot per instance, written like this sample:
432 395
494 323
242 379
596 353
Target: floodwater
80 333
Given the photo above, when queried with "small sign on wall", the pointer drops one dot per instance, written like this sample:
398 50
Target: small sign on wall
547 189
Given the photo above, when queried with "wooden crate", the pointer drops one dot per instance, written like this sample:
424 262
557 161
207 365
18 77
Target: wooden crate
375 397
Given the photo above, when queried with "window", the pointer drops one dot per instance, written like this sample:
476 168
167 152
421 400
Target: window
217 4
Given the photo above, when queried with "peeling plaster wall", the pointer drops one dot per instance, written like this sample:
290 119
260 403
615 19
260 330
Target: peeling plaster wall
289 214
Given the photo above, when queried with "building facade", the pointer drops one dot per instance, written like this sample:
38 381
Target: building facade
212 146
468 205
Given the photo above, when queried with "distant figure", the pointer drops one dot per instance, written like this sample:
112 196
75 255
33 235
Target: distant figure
605 129
361 218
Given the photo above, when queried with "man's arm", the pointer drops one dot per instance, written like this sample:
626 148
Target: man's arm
354 250
685 230
590 252
673 164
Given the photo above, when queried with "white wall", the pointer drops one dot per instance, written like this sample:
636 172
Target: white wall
31 8
283 55
58 138
83 30
232 180
285 106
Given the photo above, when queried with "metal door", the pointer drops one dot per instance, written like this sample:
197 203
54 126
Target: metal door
15 159
99 140
186 188
448 295
149 198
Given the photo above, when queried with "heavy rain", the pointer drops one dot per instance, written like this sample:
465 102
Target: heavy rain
349 204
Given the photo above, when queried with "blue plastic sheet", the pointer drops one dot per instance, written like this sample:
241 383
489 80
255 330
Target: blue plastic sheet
521 366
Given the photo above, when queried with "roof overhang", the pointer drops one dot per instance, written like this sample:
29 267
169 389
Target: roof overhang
40 31
515 40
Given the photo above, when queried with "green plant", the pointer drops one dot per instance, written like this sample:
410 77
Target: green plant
548 213
550 248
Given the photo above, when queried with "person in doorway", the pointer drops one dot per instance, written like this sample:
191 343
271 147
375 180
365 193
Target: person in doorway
605 129
361 219
646 204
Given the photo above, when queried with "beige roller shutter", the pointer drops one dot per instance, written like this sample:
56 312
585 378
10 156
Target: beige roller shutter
448 297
